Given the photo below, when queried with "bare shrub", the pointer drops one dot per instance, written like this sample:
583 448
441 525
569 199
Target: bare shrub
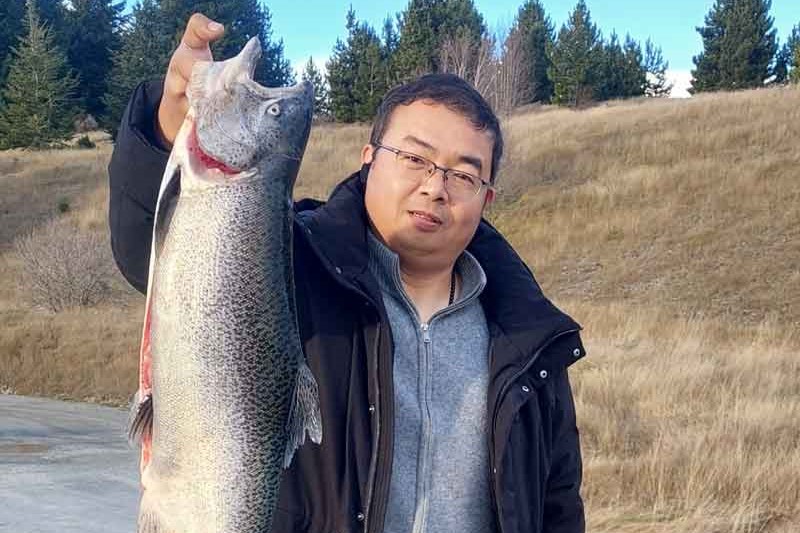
500 74
63 267
511 87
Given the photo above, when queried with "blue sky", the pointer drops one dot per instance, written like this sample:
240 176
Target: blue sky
310 27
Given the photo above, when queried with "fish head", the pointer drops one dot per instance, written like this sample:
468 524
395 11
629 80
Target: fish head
238 123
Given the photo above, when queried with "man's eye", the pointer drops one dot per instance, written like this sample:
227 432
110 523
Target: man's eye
462 177
412 159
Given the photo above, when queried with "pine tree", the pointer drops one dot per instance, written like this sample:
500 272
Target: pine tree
611 76
576 58
634 71
12 18
144 55
391 40
425 25
93 39
38 107
243 19
782 61
738 46
312 74
536 32
657 85
794 74
791 51
357 73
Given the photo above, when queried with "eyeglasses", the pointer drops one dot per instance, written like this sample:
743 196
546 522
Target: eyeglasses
460 186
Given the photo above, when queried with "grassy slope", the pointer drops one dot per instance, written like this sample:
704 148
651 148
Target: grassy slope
669 229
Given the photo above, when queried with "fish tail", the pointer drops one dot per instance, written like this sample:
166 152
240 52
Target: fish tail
304 413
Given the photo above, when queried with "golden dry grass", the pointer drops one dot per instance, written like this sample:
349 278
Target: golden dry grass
669 229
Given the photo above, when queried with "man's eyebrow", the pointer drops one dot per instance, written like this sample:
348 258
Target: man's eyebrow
467 159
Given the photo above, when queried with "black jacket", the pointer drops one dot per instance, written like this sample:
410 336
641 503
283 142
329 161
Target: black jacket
342 485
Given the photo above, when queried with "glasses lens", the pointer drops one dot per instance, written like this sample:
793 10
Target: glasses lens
411 161
462 185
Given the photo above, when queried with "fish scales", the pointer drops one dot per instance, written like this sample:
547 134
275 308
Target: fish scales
223 379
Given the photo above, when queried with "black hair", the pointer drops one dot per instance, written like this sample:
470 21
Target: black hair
454 93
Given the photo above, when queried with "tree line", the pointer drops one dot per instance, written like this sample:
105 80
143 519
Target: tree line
61 60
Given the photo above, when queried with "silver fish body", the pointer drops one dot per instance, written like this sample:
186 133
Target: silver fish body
225 395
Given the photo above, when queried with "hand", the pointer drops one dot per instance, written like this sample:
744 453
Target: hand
200 31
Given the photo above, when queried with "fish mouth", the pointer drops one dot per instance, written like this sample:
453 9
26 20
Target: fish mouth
206 159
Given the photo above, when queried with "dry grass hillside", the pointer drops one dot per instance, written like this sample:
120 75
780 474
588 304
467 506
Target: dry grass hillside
669 229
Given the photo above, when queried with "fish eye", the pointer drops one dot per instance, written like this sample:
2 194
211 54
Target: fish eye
274 110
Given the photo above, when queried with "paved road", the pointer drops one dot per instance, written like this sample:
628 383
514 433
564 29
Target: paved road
65 467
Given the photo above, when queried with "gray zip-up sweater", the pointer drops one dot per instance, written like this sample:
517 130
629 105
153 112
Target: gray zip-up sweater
440 468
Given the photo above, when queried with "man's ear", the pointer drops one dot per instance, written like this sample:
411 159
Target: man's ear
367 153
489 198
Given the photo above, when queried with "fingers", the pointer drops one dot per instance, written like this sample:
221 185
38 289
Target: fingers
194 46
200 31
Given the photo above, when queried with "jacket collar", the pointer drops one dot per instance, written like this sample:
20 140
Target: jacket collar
513 302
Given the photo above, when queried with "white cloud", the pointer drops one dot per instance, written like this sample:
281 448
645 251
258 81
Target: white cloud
681 80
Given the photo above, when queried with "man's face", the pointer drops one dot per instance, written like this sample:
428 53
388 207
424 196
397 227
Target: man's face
419 220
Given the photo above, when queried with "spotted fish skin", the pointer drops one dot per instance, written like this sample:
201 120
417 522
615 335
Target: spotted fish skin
225 395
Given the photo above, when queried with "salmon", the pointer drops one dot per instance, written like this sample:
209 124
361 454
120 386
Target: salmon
225 394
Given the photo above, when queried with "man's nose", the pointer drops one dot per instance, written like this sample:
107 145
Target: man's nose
434 185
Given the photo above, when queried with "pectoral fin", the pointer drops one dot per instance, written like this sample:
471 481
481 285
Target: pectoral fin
304 414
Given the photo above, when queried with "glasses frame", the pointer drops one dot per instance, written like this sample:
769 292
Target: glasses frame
433 167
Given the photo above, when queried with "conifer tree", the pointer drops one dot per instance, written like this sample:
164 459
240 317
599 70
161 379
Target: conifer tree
391 40
634 72
782 61
144 55
38 106
657 85
94 27
536 32
12 21
312 74
425 25
612 76
791 55
738 46
794 74
357 73
243 19
576 58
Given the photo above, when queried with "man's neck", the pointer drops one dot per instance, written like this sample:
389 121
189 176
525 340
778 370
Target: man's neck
428 288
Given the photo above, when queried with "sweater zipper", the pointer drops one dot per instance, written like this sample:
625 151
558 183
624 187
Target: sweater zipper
501 395
426 340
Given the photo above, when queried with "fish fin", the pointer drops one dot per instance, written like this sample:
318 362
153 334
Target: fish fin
304 413
149 522
140 424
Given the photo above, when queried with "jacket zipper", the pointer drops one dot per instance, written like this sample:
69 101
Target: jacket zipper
502 393
373 467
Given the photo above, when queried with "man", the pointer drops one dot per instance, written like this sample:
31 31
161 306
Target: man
442 368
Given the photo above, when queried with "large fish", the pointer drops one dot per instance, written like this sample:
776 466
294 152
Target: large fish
225 395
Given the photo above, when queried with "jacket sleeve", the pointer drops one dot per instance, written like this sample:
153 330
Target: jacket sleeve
135 170
563 506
